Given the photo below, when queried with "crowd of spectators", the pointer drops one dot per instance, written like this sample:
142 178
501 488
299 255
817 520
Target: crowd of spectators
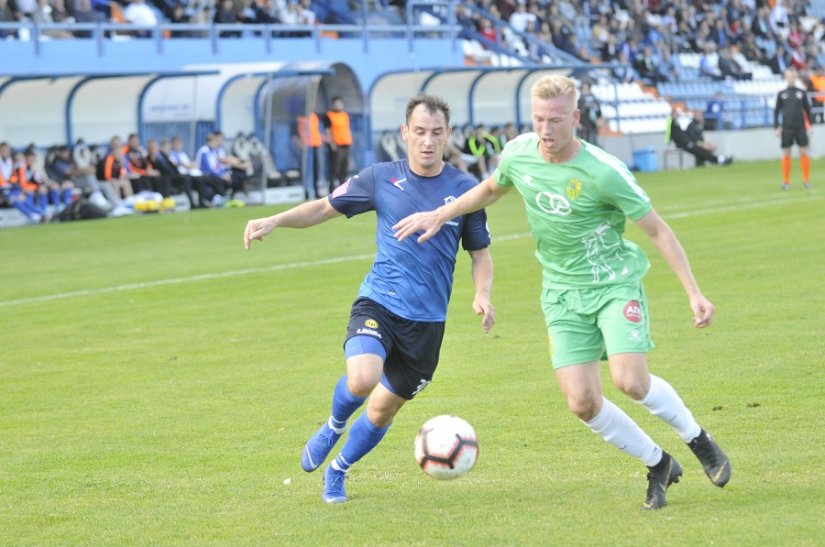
149 13
646 36
649 35
42 184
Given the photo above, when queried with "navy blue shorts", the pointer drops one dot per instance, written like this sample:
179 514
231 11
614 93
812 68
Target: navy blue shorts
412 347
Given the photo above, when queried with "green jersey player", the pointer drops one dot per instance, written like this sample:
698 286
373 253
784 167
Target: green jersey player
577 198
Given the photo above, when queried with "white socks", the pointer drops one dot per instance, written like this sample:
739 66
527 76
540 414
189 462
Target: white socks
663 401
618 429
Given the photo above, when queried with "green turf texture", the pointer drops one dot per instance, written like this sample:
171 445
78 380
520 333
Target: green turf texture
158 382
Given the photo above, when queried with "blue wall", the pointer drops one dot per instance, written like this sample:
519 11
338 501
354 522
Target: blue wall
90 56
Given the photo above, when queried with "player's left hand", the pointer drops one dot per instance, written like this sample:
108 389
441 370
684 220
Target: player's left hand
485 308
703 311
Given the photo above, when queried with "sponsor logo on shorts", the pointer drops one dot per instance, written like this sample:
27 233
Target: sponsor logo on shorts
369 332
371 323
633 311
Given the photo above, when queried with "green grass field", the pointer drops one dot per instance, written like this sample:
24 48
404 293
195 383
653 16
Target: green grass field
157 384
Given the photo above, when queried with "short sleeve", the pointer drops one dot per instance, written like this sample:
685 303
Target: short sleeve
356 195
476 235
621 190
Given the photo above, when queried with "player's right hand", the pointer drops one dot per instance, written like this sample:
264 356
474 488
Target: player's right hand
427 223
256 229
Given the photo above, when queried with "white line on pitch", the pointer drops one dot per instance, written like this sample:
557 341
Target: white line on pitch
341 259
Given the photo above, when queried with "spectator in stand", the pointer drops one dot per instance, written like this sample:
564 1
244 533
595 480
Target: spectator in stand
143 175
520 17
720 33
185 166
227 15
6 16
84 13
114 171
691 140
23 9
600 33
708 68
239 169
729 68
751 50
171 181
610 50
485 148
43 15
761 24
647 65
779 20
508 133
797 58
64 168
485 28
138 13
13 183
624 73
668 68
48 192
216 175
180 158
683 41
307 16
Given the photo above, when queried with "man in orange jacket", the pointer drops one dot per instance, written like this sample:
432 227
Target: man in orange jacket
339 141
310 138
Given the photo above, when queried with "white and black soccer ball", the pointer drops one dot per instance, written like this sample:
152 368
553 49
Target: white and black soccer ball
446 447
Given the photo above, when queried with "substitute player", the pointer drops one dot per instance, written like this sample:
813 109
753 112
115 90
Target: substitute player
795 109
577 197
397 322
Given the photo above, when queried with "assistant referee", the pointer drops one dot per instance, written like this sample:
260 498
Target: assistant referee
792 102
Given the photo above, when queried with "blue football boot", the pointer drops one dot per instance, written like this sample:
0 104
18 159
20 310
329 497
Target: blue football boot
318 447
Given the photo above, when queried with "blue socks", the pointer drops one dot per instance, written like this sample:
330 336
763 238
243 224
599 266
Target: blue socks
363 437
344 404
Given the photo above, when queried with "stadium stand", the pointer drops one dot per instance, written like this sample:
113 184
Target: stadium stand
59 53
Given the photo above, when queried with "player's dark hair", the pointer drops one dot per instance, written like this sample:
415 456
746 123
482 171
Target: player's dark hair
432 104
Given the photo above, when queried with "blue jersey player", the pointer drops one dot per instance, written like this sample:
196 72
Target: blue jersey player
397 321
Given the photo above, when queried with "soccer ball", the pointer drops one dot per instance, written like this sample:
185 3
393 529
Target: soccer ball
446 447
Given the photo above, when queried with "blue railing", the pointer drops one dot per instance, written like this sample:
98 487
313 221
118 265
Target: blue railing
102 33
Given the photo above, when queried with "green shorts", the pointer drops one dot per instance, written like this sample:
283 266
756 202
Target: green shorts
586 325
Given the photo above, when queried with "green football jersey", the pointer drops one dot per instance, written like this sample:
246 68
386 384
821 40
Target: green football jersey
576 212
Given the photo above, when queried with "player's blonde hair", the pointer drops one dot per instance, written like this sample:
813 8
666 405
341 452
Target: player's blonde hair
552 86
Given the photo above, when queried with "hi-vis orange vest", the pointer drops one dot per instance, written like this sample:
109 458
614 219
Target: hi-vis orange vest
309 130
339 127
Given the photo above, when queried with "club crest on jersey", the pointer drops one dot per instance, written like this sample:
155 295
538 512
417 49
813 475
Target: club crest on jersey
574 189
397 182
448 200
633 311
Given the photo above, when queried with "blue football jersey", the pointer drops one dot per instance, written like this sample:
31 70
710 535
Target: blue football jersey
410 279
